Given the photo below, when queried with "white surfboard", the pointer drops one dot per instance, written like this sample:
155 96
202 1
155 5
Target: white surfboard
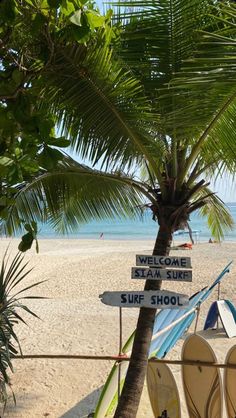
230 384
163 391
202 385
227 318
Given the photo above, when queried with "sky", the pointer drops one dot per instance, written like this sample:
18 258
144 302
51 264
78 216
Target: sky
226 189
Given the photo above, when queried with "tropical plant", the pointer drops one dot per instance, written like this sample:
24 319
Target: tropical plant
159 104
12 275
28 141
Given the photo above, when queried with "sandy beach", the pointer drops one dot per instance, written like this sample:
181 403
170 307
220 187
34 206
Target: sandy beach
74 321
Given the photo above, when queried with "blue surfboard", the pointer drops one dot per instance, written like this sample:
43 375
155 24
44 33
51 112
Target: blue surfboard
212 316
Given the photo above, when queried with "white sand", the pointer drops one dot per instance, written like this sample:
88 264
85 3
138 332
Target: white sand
74 321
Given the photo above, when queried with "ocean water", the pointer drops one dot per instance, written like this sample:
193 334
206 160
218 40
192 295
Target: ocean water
138 229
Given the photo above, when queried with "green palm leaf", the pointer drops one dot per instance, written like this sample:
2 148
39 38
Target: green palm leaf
218 215
183 77
74 194
102 108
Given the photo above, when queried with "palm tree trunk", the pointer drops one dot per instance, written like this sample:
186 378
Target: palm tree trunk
133 386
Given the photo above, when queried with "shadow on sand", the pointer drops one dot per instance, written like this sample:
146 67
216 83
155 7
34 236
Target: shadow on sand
85 407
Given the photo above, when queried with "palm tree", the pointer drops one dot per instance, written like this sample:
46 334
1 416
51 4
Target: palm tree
156 111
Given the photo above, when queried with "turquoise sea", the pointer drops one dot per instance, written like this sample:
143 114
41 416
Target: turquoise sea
138 229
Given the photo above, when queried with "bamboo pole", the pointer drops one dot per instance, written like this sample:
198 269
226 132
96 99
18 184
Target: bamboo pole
124 358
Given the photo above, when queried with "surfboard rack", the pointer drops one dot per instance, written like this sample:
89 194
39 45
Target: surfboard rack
125 358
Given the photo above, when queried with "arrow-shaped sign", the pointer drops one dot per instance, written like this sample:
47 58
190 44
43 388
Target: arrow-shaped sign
147 299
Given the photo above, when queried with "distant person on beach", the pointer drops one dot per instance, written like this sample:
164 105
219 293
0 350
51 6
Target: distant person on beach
101 236
186 246
211 241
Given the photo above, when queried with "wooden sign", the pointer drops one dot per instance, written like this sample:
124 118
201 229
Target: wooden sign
161 261
147 299
161 274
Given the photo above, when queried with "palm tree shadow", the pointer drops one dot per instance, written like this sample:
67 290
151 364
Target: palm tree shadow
85 407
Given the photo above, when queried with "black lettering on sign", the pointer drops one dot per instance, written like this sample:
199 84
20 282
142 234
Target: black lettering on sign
143 273
130 298
166 300
167 261
153 300
135 298
183 262
159 300
123 298
154 274
136 272
144 259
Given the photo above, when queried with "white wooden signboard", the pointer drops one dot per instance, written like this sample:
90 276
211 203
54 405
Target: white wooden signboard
161 261
161 274
147 299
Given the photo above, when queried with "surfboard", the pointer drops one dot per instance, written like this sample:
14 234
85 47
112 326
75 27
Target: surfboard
202 385
232 308
230 383
212 316
180 328
163 391
224 310
227 318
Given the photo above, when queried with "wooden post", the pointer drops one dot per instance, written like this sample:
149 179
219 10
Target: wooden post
218 298
197 317
120 349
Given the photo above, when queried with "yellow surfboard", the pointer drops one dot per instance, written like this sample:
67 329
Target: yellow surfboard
230 384
202 385
163 391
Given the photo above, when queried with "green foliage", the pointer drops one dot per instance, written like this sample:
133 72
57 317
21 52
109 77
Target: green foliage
154 98
31 30
29 237
73 194
12 276
218 217
103 120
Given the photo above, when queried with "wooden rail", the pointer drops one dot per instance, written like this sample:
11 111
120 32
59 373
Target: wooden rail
124 358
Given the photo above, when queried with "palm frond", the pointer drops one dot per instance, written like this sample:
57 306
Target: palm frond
167 44
102 107
218 216
74 194
158 35
220 144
